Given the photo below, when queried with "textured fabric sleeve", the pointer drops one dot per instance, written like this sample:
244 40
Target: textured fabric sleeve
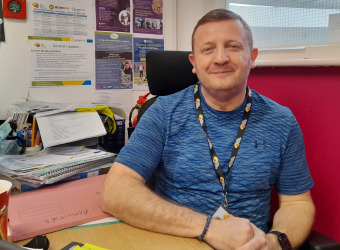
294 177
144 150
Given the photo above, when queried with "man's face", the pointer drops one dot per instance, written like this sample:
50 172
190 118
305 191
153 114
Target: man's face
126 65
222 58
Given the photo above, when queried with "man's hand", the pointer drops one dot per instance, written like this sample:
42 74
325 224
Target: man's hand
229 233
238 233
261 241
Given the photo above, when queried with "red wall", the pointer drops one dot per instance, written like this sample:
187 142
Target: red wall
312 93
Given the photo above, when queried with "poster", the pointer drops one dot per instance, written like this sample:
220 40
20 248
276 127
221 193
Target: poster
61 18
141 46
60 62
113 60
2 30
113 15
148 16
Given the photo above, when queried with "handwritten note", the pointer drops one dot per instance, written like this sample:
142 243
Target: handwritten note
50 209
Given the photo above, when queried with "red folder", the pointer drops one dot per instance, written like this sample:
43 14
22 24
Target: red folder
57 207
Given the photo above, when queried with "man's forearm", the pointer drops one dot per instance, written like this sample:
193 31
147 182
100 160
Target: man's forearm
295 218
157 214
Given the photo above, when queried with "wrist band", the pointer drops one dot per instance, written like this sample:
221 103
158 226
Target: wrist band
200 238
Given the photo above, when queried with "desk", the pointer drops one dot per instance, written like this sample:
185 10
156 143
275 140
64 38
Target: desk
120 236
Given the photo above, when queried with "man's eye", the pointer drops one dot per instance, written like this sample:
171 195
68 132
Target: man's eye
234 47
207 50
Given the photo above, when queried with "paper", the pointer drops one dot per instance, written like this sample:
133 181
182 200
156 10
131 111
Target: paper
50 209
68 127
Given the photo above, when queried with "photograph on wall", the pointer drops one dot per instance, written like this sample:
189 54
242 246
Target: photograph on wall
2 30
113 15
148 16
61 18
141 46
60 62
114 62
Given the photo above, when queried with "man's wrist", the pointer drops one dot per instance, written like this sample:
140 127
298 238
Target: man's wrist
206 227
273 242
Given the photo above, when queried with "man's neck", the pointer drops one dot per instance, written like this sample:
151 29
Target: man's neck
224 100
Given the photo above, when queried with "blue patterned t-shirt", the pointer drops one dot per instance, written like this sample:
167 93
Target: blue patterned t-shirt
169 141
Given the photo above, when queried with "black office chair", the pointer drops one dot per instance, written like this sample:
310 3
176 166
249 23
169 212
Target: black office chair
169 72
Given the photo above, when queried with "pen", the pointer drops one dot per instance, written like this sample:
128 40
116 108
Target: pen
33 133
37 140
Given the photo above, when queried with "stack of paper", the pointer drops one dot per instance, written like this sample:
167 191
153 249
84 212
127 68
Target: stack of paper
18 115
59 123
53 164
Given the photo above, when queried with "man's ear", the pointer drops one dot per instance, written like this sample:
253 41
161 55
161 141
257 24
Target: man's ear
192 61
253 56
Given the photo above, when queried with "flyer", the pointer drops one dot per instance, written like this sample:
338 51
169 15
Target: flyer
59 62
61 18
113 60
141 46
148 16
113 15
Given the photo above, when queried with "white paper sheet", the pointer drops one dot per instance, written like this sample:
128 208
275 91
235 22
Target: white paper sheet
69 127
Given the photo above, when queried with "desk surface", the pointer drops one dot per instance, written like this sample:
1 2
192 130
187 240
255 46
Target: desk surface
120 236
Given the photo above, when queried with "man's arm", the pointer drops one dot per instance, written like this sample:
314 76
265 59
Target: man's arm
294 217
126 196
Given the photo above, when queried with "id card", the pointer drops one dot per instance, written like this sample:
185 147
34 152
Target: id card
221 213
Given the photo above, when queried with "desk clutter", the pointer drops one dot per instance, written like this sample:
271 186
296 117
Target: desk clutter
48 151
52 165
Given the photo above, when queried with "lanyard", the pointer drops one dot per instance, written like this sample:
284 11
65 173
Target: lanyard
237 143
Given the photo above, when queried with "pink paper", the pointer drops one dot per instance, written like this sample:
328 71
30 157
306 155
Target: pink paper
50 209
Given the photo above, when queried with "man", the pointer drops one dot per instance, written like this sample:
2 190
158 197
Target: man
126 73
141 70
189 137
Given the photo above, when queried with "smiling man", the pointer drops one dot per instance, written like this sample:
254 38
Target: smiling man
217 149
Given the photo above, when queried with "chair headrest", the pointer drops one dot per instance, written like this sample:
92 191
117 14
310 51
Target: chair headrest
168 71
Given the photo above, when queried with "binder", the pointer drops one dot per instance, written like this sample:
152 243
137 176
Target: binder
55 173
63 173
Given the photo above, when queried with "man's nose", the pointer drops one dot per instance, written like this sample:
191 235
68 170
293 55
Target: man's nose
222 56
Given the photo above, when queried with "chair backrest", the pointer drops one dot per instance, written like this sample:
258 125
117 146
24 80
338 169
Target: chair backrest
168 71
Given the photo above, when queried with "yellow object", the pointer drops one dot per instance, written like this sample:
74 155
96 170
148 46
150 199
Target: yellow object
225 216
105 110
88 246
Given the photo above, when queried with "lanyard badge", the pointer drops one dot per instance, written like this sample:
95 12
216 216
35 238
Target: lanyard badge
215 161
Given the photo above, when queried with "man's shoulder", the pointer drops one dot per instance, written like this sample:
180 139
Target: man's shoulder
182 95
267 104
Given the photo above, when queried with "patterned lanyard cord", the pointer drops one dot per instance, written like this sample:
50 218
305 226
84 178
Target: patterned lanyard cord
237 143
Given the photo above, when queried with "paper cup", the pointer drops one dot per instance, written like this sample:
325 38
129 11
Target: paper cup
5 190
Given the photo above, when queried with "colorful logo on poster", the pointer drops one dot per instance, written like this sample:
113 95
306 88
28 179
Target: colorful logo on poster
35 5
157 6
37 45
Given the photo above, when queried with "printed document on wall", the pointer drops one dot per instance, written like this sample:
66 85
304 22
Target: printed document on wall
61 18
113 60
59 62
141 46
